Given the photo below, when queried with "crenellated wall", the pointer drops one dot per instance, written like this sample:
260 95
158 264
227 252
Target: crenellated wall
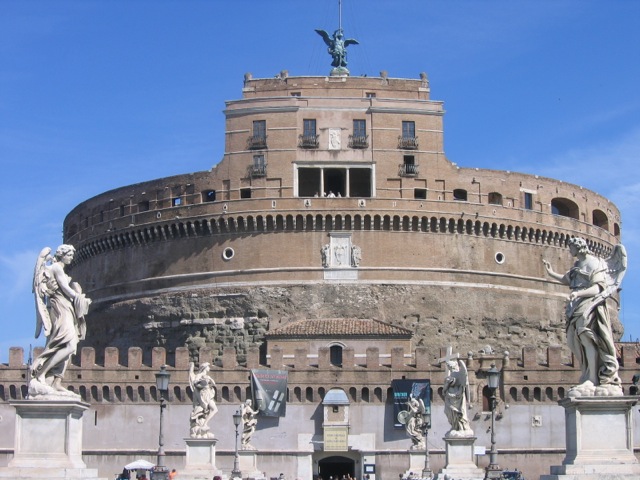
123 377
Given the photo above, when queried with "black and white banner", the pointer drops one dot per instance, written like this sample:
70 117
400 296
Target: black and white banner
420 389
269 389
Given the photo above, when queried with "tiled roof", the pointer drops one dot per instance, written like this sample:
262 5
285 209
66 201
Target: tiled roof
334 327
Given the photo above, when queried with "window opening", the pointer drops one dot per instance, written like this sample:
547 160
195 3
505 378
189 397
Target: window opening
460 195
528 201
335 353
209 196
420 193
495 198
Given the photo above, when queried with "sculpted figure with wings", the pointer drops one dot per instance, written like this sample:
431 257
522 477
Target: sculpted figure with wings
337 48
456 398
60 310
592 281
204 403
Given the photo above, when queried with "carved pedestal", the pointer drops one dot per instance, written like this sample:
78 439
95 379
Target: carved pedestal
249 465
48 441
599 440
200 462
459 458
416 463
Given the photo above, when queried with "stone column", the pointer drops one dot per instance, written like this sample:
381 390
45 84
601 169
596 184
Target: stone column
459 460
200 462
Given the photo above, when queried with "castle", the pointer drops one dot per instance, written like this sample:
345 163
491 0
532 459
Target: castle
334 207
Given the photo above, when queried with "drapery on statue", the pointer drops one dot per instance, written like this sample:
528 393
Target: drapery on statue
338 50
204 404
60 310
456 398
592 280
414 421
249 423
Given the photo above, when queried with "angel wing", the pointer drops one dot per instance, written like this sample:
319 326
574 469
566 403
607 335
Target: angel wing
350 41
43 321
192 377
325 36
464 379
616 268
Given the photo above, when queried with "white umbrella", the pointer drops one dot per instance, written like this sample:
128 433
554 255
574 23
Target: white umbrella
139 465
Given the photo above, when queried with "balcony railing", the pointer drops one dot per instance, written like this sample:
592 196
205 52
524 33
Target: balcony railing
257 142
258 171
408 143
308 141
358 141
408 170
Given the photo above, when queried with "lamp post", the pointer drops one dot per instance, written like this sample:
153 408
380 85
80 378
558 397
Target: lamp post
426 473
493 469
236 473
160 471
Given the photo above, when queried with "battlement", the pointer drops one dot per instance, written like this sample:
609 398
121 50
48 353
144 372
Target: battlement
366 378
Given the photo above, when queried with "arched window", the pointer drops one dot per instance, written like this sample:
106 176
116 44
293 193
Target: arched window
599 219
335 355
460 195
565 208
495 198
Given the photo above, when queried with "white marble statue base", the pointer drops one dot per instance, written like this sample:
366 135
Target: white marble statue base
459 460
416 464
200 462
249 465
599 440
48 441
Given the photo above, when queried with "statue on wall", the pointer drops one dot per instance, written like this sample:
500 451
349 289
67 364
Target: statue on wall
204 403
60 310
414 421
592 280
338 50
249 423
456 398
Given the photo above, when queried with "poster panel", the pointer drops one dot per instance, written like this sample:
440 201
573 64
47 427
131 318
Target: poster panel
269 389
401 391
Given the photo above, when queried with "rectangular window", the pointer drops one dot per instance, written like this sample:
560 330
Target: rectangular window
408 129
258 161
360 128
528 201
420 193
370 95
260 128
295 94
208 196
245 193
309 127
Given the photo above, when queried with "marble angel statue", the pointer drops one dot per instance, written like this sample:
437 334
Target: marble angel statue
204 403
249 423
60 310
592 281
414 421
456 398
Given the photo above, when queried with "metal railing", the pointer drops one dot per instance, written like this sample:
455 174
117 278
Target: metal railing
408 143
256 142
358 141
308 141
408 170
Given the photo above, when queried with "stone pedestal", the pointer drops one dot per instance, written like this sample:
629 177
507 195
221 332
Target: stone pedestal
249 465
599 440
200 462
48 441
459 460
416 463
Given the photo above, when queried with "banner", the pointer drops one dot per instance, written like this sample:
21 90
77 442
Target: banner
269 388
401 391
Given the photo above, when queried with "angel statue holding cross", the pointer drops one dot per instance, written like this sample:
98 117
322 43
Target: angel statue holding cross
456 396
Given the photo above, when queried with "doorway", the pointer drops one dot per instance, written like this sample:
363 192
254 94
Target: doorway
336 467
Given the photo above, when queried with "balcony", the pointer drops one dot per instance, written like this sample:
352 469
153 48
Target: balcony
408 170
257 171
358 141
408 143
257 142
308 141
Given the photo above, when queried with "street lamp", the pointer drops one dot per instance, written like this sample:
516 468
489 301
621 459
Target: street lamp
493 380
426 473
236 473
160 471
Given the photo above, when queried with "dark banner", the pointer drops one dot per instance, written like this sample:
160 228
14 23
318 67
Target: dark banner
269 389
401 391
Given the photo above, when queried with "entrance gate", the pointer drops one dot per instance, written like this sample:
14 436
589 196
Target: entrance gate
336 467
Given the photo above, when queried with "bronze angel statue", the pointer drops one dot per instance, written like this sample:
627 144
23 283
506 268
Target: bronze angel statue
337 49
60 310
592 281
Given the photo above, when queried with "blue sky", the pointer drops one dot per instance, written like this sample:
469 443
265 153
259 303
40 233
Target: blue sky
97 95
